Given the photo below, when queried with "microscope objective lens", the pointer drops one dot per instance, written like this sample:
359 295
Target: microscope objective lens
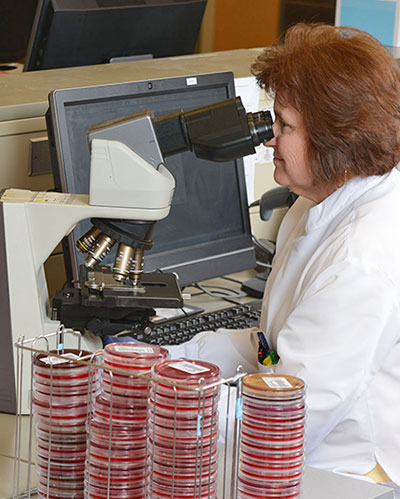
86 242
100 249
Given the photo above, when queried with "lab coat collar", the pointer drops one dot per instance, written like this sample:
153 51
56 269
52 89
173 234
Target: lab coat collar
328 209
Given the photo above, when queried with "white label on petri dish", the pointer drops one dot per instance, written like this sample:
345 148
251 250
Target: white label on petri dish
277 382
190 368
60 360
133 348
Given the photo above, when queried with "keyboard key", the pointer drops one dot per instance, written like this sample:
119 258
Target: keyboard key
181 330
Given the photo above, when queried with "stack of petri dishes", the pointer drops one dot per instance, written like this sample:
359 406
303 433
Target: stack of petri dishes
116 455
60 407
183 430
272 437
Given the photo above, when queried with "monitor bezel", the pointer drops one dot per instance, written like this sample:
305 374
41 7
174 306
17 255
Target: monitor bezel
228 255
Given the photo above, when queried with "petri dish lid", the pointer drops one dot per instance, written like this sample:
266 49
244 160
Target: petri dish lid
186 371
275 386
68 359
132 353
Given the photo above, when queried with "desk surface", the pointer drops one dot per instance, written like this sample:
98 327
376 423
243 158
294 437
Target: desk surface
210 303
320 484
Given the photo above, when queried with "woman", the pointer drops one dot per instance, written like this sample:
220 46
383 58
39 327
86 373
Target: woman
332 304
331 308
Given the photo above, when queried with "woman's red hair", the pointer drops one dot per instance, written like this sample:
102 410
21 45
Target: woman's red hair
346 86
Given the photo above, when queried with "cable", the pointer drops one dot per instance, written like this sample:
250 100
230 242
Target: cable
254 204
70 283
266 265
234 302
231 279
182 309
232 293
260 245
196 294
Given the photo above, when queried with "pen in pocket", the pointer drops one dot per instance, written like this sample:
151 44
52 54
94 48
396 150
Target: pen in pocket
266 356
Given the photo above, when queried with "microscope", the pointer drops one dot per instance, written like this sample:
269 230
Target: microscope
122 297
130 189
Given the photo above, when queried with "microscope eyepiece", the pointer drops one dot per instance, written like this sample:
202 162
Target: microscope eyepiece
260 125
222 131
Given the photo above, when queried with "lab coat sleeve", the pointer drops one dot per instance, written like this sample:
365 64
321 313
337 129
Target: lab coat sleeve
336 338
227 348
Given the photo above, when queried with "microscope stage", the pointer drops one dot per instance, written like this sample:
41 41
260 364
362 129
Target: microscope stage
105 306
155 290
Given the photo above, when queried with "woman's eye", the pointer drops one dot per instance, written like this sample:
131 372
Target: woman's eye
283 125
280 123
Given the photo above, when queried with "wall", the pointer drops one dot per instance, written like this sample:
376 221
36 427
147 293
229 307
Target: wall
232 24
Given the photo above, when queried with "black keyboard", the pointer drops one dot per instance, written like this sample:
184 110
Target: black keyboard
177 331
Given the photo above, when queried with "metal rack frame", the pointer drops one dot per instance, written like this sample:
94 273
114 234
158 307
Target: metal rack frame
53 345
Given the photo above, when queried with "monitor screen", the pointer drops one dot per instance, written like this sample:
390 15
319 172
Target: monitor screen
207 232
16 19
69 33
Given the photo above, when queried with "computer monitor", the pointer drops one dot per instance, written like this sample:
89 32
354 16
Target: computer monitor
70 33
16 18
207 232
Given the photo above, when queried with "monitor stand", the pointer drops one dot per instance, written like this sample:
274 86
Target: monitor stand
255 287
130 58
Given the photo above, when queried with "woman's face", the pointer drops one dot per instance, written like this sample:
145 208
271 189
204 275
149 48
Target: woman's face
290 154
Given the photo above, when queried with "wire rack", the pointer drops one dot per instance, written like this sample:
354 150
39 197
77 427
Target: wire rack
212 477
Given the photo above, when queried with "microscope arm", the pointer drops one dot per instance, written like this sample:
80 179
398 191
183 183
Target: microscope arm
119 177
49 216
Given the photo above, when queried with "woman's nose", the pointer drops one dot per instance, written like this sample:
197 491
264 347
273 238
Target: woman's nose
272 142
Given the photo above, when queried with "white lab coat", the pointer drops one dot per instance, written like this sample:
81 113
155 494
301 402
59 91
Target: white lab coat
332 312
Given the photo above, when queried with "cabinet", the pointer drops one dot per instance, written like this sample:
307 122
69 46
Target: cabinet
294 11
235 24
